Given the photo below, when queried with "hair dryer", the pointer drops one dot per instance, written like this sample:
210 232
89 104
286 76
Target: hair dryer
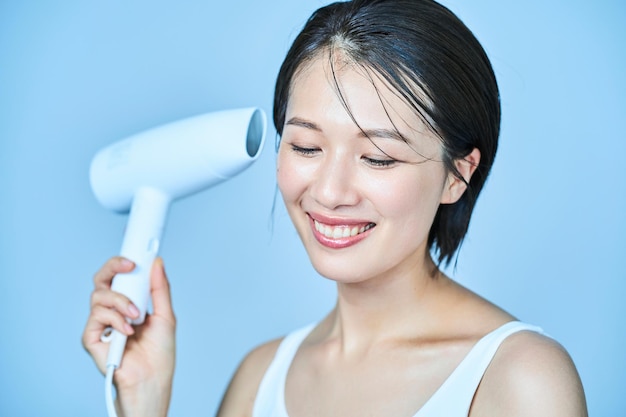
144 173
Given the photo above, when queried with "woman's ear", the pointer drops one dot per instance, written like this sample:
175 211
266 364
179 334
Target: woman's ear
455 187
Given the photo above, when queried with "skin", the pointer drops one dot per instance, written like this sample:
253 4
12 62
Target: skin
398 329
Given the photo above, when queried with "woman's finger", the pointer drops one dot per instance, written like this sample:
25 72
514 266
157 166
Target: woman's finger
115 265
114 300
100 319
161 294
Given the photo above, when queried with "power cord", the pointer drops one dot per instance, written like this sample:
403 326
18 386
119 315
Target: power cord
108 391
116 350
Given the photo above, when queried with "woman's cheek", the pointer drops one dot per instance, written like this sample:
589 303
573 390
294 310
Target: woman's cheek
287 175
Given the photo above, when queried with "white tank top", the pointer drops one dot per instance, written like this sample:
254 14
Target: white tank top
452 399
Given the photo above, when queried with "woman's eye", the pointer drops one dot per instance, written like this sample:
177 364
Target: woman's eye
304 151
379 163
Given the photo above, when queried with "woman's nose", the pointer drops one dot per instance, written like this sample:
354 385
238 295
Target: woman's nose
334 184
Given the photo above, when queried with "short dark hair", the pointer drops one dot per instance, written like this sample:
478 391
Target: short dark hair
415 43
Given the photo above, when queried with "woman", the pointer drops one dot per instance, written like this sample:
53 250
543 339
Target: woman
388 114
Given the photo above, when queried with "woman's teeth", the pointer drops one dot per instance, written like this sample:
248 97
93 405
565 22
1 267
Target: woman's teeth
337 232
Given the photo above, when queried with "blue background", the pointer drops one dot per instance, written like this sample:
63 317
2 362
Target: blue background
546 243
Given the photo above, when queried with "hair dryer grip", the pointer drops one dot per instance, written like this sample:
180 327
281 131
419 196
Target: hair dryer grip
141 245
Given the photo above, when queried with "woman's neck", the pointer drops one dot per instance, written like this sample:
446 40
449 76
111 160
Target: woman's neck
385 307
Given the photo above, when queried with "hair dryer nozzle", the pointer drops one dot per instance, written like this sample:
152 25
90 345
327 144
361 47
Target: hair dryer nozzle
256 133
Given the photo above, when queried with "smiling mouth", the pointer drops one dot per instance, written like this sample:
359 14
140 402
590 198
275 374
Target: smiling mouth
338 232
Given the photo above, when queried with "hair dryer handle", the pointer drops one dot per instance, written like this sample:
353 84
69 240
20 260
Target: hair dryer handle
141 245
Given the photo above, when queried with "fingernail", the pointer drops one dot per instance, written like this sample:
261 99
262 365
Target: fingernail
128 328
126 263
133 311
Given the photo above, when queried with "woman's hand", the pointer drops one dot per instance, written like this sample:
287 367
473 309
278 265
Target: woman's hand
144 378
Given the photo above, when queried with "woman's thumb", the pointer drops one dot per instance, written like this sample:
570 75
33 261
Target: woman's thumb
160 288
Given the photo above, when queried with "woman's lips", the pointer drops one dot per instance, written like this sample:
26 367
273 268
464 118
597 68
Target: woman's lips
338 234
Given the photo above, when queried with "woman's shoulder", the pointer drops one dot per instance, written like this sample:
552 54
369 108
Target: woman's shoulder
241 392
531 374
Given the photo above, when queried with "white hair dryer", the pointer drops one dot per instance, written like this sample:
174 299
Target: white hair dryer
146 172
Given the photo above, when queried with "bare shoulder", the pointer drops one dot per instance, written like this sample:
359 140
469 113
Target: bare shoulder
530 375
239 398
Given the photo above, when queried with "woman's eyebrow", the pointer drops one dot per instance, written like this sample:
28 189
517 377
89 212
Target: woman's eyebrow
366 133
296 121
383 134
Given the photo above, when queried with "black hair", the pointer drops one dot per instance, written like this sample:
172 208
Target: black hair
437 65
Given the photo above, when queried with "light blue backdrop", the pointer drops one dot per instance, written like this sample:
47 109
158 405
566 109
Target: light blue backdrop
547 240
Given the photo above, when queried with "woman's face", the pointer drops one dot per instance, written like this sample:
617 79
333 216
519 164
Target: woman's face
362 206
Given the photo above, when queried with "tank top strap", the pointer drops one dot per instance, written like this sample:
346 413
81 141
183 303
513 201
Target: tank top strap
270 398
454 397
